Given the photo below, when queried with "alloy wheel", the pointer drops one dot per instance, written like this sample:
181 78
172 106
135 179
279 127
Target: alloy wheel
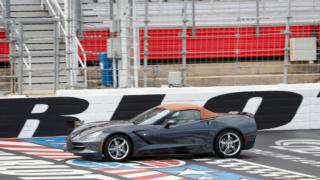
229 144
118 148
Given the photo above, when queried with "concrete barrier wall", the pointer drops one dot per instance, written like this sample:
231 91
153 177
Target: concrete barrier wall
275 106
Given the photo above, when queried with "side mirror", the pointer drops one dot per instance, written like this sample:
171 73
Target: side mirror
170 122
78 123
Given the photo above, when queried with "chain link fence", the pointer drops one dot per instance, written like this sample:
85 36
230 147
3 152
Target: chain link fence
156 43
209 43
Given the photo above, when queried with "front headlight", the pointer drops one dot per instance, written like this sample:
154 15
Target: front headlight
94 135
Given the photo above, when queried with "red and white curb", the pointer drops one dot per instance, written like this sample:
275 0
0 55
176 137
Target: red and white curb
140 174
35 149
160 163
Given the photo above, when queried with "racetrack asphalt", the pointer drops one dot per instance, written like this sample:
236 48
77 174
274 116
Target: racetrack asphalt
293 154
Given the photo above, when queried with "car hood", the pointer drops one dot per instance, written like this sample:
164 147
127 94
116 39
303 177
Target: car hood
92 127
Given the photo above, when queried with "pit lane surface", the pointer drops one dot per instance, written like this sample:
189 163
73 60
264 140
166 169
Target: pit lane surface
276 155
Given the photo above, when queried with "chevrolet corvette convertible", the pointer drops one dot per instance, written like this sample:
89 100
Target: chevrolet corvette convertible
167 129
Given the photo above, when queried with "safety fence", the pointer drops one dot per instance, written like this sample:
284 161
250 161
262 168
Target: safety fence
142 43
207 43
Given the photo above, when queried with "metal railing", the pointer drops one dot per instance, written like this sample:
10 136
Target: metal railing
57 11
27 62
3 8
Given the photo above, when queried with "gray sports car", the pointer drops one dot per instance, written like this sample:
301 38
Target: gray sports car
165 130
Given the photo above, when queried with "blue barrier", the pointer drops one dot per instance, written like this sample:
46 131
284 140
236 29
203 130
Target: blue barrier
106 70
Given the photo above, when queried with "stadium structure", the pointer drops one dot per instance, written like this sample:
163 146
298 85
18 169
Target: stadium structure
119 79
48 45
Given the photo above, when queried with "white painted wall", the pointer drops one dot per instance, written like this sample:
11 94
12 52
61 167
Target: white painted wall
103 102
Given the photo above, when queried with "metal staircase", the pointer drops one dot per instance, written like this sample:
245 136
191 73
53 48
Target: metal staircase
44 49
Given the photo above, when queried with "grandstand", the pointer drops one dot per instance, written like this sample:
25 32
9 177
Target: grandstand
55 44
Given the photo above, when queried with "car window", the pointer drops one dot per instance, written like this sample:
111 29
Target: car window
151 116
185 116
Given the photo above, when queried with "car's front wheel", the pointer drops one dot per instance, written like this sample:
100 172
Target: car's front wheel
117 148
228 144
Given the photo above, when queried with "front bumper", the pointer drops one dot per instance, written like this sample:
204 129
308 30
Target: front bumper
87 149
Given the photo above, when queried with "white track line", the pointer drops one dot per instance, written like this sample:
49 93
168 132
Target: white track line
142 174
18 143
4 158
167 178
121 170
59 157
50 153
32 149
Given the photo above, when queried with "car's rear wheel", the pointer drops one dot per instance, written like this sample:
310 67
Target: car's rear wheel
117 148
228 144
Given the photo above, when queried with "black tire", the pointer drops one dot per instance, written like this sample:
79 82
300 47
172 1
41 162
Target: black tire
124 151
228 144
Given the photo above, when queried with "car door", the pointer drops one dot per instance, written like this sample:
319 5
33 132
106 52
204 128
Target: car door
188 135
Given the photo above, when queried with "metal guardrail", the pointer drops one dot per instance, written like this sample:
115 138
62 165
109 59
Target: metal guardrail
28 62
57 11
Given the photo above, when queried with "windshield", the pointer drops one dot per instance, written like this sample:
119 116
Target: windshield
151 116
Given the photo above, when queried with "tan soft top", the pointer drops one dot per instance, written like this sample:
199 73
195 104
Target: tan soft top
204 113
